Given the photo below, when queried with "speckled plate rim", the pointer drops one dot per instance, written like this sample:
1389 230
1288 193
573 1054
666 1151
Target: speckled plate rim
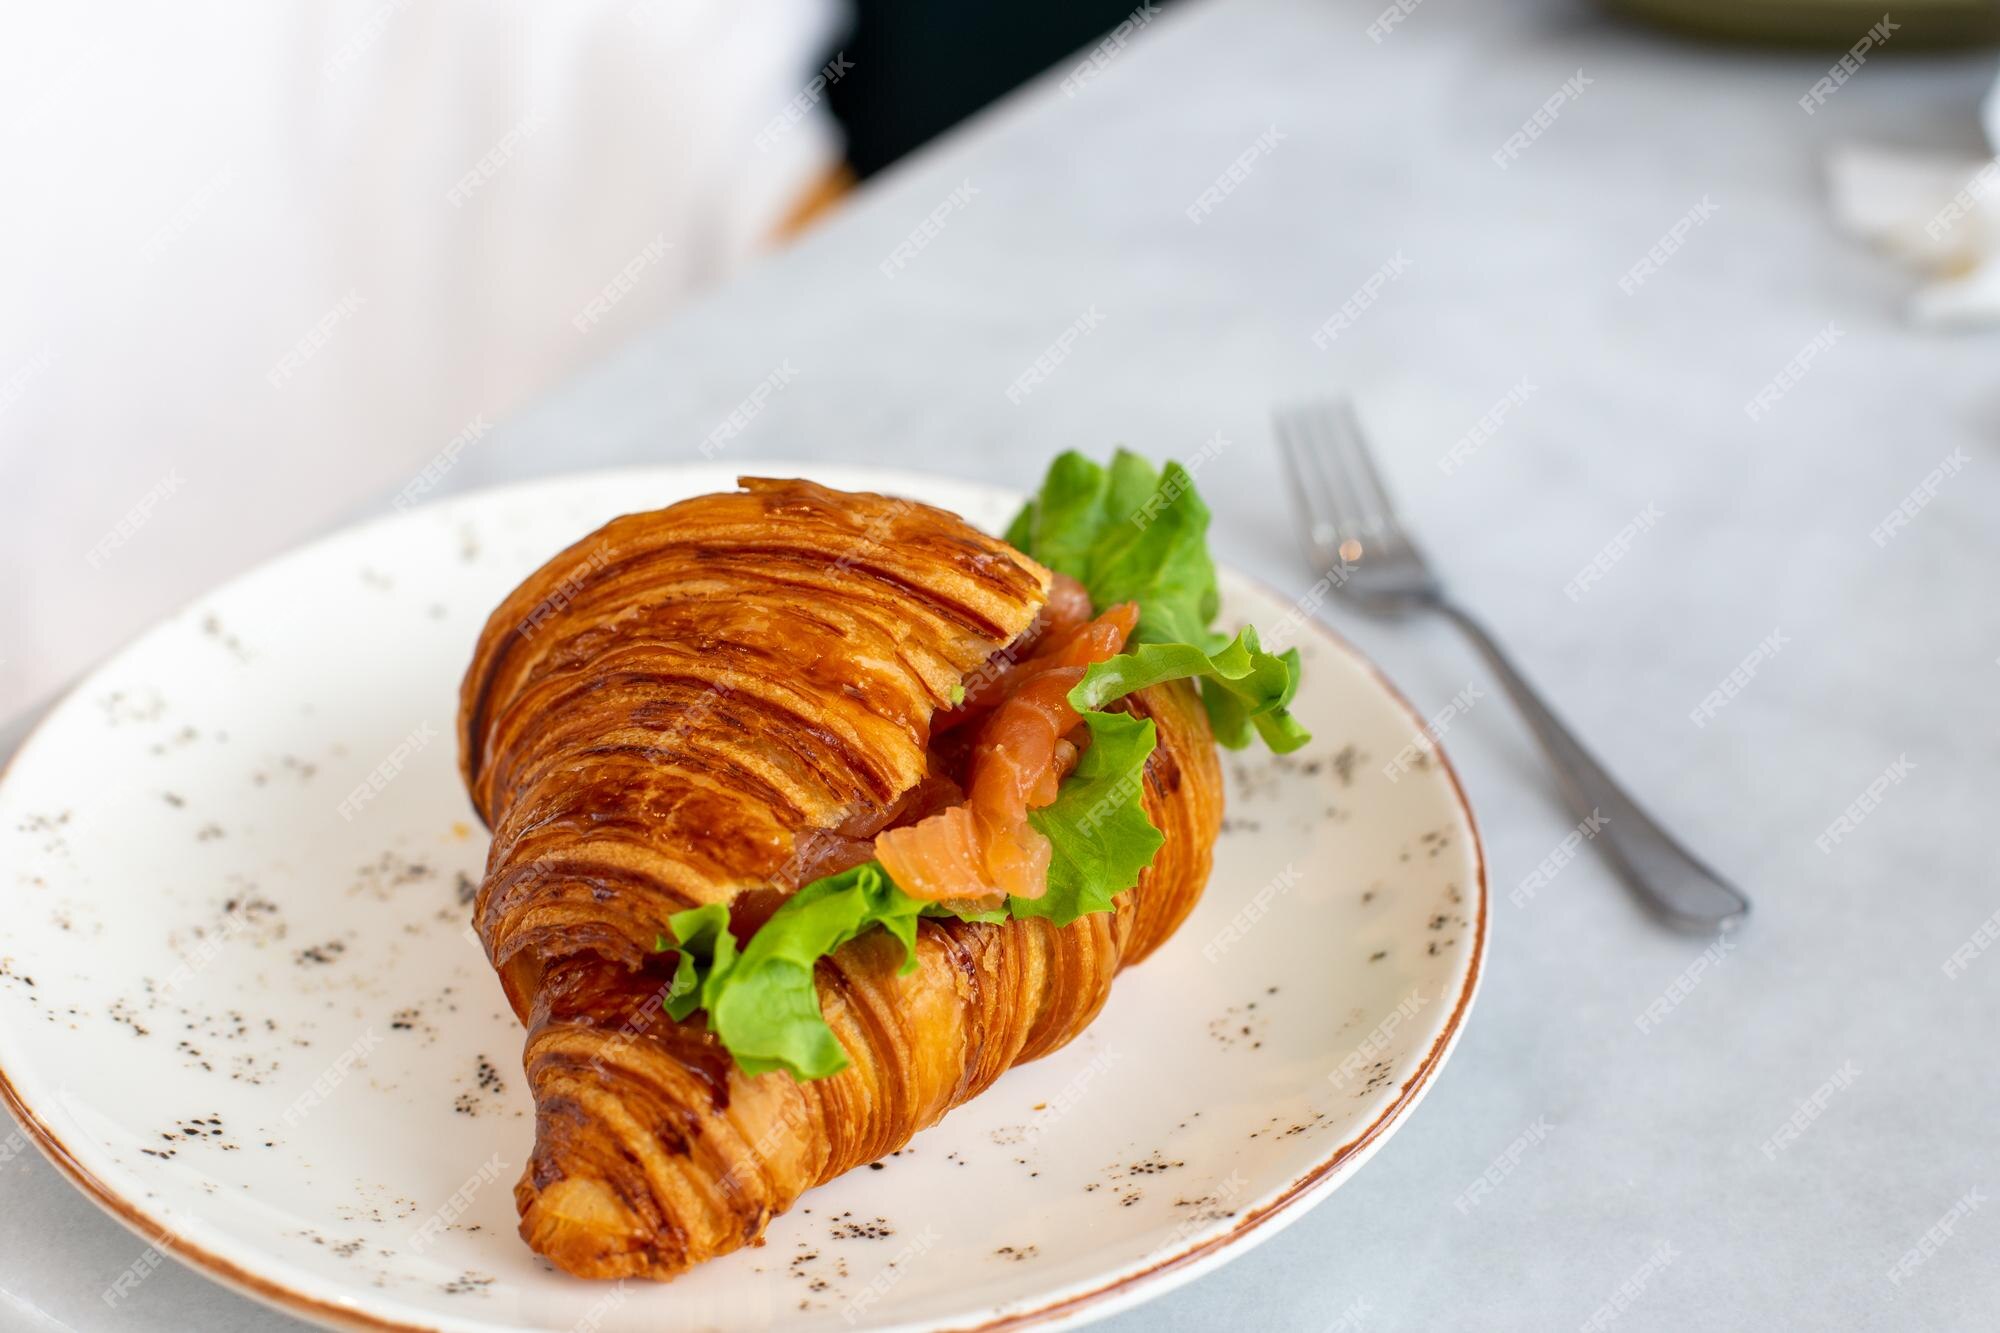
1152 1278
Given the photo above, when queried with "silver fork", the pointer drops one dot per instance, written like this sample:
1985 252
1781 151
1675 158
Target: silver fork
1353 536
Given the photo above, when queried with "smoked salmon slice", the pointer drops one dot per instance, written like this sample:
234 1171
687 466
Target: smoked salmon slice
978 853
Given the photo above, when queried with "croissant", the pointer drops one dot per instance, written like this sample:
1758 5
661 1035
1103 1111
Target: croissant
712 703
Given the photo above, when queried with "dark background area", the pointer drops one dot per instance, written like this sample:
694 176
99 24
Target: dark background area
923 67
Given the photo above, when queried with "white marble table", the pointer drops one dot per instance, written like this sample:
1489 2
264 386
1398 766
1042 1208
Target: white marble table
1639 1125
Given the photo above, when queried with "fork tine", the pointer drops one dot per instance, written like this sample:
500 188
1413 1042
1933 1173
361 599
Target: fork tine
1350 446
1315 524
1349 503
1322 508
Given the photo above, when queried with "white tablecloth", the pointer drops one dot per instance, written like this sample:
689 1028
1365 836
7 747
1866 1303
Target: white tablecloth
1890 646
261 261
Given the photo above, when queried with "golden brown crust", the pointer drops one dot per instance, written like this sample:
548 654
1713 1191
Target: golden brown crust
653 716
653 1152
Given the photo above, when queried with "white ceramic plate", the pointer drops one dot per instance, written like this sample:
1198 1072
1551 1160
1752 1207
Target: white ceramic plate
241 1008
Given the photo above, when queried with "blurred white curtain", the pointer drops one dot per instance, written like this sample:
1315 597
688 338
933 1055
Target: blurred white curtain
258 262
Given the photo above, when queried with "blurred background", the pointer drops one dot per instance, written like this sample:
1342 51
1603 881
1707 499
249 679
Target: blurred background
271 270
203 197
263 265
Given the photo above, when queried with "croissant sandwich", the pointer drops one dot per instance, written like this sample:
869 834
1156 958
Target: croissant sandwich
814 812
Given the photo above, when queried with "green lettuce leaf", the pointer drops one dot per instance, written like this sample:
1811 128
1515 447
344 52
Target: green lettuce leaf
705 944
1128 532
1244 687
760 1000
1099 836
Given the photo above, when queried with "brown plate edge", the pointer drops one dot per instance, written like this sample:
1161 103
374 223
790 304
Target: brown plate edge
1406 1097
296 1302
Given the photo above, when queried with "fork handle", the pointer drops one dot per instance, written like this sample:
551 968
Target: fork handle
1665 874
